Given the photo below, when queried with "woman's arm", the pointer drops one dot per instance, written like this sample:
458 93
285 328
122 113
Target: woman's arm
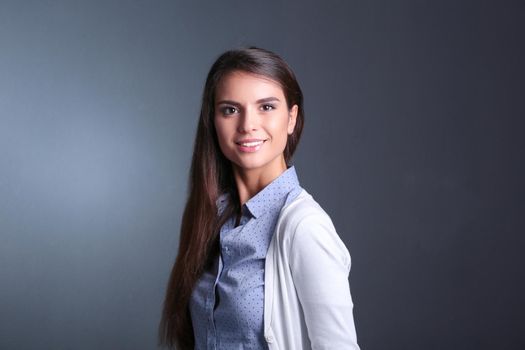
320 265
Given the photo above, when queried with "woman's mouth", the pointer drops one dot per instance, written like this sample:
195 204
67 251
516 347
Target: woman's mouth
250 146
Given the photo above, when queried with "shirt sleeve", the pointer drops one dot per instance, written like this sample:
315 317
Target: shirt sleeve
320 265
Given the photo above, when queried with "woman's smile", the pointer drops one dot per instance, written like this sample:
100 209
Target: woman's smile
250 147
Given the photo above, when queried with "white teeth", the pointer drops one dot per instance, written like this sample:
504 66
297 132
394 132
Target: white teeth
251 144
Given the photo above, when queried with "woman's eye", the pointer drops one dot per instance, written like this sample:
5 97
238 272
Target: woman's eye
229 110
268 107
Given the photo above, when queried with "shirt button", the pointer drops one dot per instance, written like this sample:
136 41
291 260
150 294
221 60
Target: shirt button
269 338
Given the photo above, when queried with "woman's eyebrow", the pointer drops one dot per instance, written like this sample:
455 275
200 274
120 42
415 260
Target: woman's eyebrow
262 100
268 99
228 102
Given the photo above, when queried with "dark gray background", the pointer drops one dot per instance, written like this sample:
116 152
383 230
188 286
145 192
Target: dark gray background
413 144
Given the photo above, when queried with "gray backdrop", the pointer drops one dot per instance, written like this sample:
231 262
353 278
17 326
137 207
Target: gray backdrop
413 144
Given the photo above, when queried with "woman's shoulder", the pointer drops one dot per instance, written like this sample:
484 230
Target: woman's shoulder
303 205
304 211
305 223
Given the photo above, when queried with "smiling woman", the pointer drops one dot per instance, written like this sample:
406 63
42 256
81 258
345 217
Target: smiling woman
253 122
260 265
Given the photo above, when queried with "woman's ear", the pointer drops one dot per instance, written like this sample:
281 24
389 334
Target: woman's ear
292 118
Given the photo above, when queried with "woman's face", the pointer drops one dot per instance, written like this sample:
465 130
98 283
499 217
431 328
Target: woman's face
253 122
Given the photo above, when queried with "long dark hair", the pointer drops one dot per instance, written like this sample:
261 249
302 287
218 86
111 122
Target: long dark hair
211 175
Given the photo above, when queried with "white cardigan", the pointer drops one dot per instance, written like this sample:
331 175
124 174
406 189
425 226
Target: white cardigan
307 301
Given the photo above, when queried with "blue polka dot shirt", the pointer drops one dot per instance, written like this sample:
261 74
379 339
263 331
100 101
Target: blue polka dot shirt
227 302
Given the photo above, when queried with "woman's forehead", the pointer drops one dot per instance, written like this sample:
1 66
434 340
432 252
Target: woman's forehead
245 84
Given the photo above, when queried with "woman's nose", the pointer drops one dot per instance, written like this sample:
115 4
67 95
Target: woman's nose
247 120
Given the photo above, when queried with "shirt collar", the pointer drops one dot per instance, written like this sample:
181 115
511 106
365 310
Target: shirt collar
274 194
270 197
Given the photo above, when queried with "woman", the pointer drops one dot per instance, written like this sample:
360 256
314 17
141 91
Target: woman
260 264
